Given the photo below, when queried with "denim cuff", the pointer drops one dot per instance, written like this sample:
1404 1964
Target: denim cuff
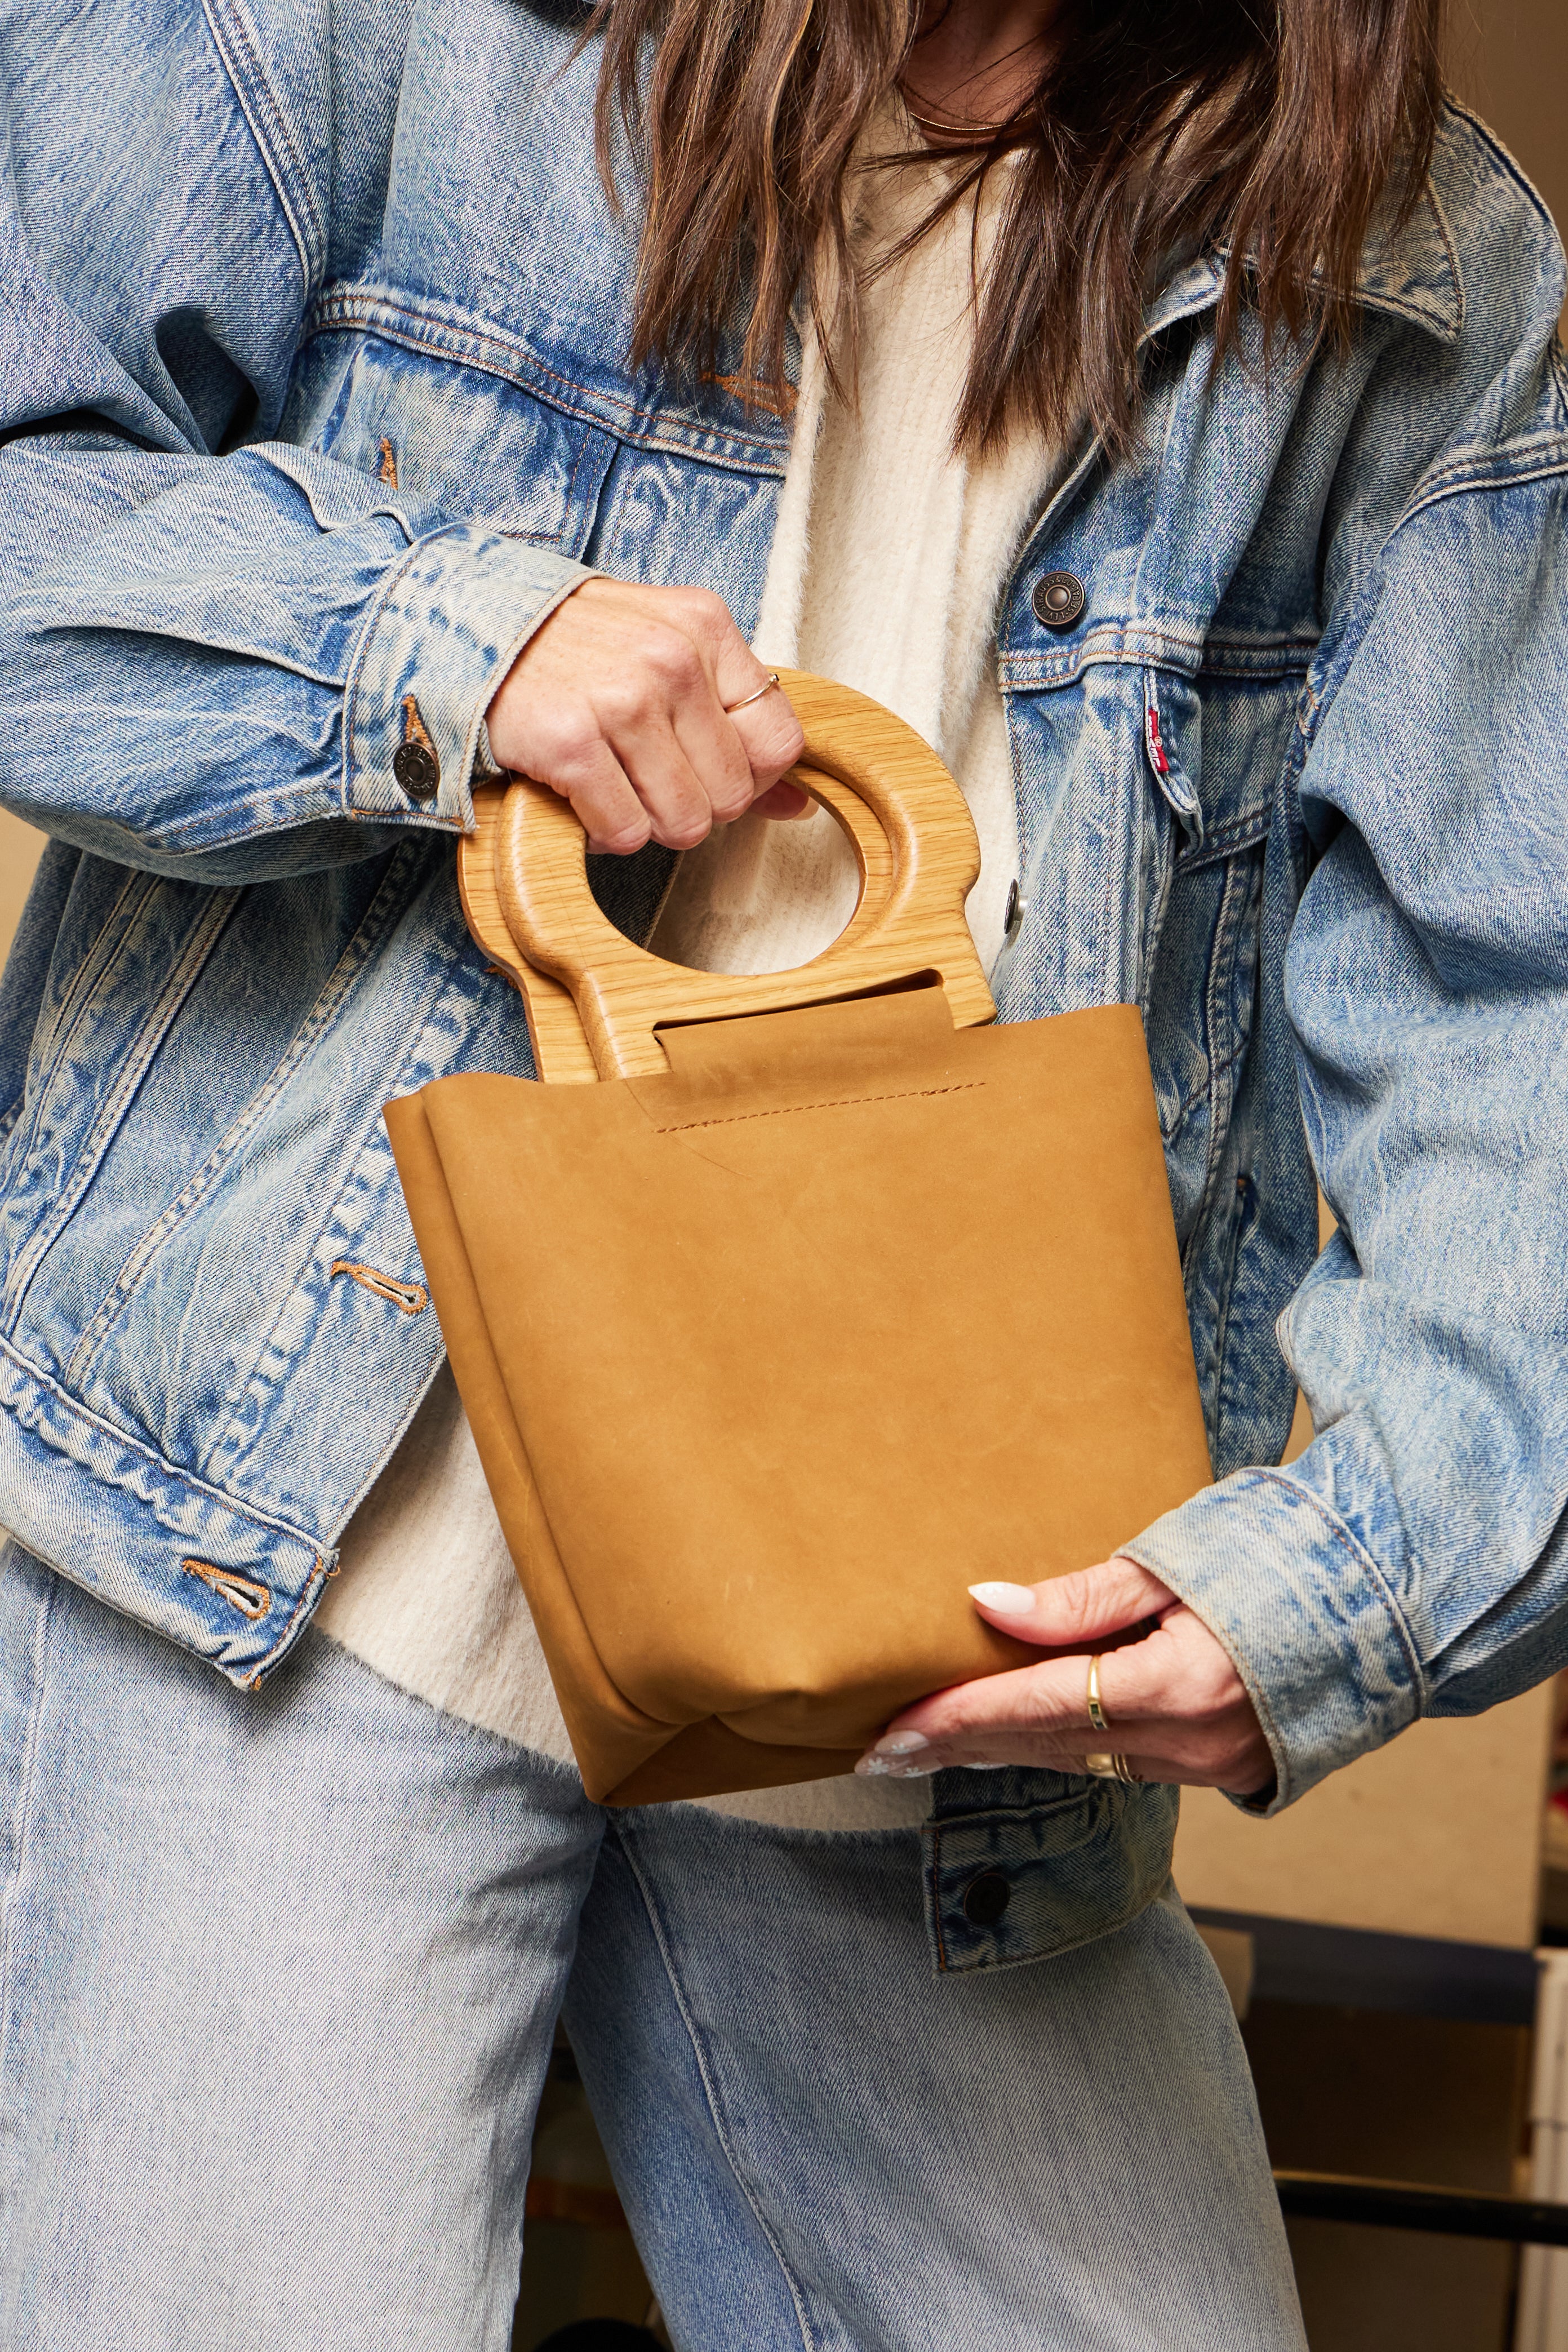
447 626
1307 1616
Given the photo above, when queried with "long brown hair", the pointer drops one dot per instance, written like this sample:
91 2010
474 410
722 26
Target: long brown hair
1157 127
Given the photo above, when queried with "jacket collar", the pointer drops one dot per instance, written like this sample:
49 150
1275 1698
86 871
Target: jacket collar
1411 272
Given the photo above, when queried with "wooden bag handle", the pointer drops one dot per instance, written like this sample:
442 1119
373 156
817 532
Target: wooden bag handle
596 1001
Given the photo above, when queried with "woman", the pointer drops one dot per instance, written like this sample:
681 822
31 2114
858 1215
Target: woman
1161 407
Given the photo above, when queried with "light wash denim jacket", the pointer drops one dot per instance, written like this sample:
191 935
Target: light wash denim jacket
313 398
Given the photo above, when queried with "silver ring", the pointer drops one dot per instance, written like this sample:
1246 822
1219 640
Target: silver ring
731 707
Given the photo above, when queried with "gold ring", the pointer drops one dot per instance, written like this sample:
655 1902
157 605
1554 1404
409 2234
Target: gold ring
731 707
1096 1712
1103 1766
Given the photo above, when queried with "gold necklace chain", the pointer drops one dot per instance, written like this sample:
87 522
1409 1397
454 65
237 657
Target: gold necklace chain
935 121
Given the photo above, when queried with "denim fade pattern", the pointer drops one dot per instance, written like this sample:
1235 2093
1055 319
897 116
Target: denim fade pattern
281 1970
313 403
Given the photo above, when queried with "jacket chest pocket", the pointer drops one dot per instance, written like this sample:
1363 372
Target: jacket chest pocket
451 441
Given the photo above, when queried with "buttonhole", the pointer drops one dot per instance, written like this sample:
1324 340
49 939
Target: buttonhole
411 1298
241 1592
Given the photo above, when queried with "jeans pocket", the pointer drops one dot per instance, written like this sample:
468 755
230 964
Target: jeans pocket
1023 1865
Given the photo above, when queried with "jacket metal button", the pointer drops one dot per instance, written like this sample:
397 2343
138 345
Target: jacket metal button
1058 599
1017 908
417 771
986 1899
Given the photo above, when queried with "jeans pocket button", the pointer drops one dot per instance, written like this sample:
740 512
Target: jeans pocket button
986 1899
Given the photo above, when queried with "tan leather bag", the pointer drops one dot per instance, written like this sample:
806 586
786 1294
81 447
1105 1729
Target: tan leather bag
790 1309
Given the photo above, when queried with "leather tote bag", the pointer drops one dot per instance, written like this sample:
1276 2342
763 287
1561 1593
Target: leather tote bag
790 1306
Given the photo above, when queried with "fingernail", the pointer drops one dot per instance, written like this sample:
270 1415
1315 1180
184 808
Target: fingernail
900 1743
1009 1600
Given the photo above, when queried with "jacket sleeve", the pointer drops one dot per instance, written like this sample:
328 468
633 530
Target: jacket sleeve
206 636
1414 1560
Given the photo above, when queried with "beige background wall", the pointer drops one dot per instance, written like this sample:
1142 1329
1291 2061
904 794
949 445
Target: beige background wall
1509 59
19 847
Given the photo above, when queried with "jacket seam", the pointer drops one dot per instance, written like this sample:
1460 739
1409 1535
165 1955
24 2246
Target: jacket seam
100 1425
351 764
1350 1542
1318 699
1221 1097
160 1017
85 985
374 310
303 1610
211 839
1189 1103
1501 155
1136 642
1457 481
239 1386
316 1025
251 101
1461 291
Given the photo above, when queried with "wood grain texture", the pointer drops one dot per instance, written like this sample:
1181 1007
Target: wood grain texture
560 1050
525 891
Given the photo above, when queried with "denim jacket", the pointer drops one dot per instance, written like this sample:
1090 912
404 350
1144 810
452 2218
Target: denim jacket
314 402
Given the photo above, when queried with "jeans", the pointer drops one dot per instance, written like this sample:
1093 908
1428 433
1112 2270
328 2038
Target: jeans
280 1972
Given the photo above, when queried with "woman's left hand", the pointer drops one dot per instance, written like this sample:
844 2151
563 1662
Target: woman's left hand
1174 1705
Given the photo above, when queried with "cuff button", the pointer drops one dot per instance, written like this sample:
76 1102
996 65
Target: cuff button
417 771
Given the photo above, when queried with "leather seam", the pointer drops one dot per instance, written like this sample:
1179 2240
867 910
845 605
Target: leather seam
842 1102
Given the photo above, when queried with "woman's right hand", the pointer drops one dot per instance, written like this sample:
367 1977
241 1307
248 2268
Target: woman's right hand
619 703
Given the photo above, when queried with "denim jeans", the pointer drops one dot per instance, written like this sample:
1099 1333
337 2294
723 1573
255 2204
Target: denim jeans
280 1974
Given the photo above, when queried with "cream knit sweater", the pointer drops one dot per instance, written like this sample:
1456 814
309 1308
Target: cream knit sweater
887 563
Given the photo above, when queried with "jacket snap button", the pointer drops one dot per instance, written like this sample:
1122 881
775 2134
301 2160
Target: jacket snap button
416 771
986 1899
1058 599
1017 908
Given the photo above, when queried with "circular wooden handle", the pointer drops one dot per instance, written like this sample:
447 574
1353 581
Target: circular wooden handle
915 844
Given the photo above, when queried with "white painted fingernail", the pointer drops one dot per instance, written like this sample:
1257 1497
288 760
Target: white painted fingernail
911 1771
901 1743
1007 1599
870 1767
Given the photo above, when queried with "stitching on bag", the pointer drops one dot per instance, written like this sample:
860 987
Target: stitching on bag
844 1102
